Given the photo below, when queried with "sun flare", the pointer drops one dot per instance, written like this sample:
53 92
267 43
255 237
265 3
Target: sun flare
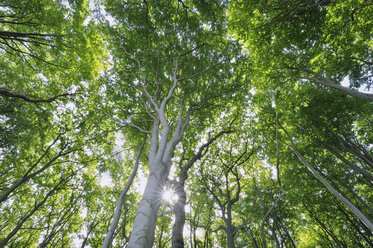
169 195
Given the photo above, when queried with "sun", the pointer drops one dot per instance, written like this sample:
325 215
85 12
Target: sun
169 195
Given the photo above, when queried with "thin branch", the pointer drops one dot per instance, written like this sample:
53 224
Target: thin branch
127 124
118 210
266 215
12 94
172 89
196 74
143 81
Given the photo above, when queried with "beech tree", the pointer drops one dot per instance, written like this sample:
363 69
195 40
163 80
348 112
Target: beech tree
172 83
186 123
322 42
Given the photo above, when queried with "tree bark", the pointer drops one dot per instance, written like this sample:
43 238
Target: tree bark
160 156
348 91
144 226
179 209
337 194
319 79
11 94
229 226
120 203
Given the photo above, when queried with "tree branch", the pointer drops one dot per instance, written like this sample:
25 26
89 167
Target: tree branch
127 124
12 94
319 79
118 210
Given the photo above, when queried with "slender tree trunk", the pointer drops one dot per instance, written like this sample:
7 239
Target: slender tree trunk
253 237
267 214
355 225
337 194
354 167
274 235
120 203
33 210
348 91
160 156
230 228
27 176
287 234
179 210
329 232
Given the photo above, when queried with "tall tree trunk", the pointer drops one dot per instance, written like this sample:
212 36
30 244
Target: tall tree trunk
348 91
179 210
144 226
160 156
319 79
120 203
230 228
354 167
337 194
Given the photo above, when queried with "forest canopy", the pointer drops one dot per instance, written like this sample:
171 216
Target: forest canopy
190 123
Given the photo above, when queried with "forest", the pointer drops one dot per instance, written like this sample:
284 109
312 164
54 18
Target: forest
186 123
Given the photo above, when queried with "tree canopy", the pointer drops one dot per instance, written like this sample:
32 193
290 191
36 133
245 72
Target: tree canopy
186 123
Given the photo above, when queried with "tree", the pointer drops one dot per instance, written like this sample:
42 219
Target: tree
172 84
319 41
226 191
47 168
179 208
238 105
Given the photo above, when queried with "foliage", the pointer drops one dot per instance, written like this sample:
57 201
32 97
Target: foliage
79 88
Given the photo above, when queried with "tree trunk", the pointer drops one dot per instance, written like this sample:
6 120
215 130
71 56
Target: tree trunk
120 203
319 79
348 91
179 210
144 226
328 231
354 167
230 228
337 194
356 227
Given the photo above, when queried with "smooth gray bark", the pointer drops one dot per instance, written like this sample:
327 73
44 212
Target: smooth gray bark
144 226
319 79
163 142
337 194
348 91
120 203
179 208
160 155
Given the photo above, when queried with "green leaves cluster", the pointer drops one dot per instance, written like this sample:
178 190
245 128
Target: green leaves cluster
74 103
